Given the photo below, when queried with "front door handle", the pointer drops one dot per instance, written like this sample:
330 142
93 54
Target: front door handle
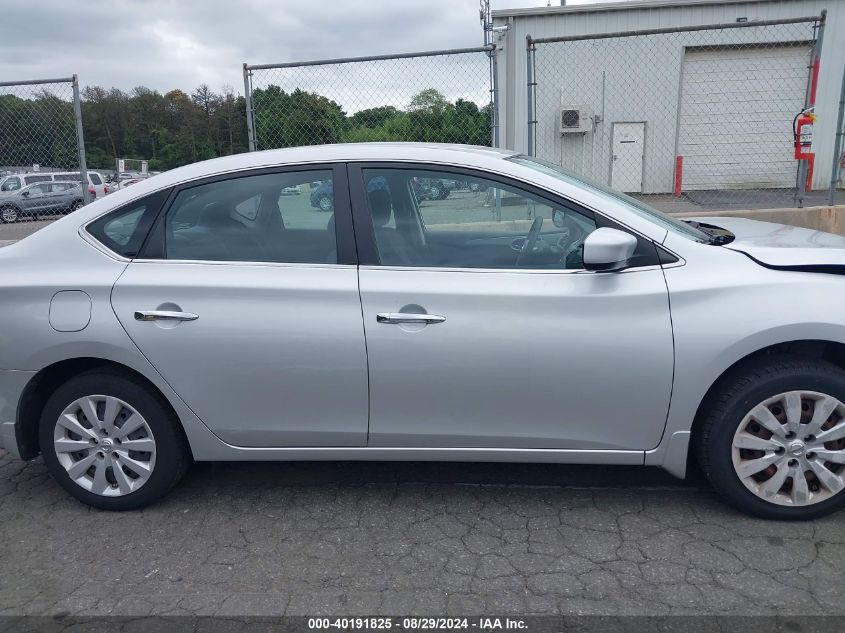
408 317
164 315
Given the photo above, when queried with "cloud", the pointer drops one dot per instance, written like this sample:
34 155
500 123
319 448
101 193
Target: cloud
164 44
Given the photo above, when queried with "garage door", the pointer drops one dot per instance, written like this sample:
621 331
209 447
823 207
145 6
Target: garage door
737 108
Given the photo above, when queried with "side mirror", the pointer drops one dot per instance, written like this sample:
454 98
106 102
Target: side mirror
607 250
25 194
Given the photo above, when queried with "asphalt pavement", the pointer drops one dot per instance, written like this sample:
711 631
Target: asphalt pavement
412 538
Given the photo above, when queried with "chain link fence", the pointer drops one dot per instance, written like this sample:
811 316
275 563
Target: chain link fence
695 118
435 96
40 134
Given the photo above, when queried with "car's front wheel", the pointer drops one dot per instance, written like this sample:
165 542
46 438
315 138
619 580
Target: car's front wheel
110 442
772 439
9 214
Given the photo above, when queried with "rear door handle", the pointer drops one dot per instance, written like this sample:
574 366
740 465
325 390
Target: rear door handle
408 317
164 315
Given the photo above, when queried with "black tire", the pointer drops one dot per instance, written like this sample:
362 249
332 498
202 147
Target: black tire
76 205
9 214
728 405
325 203
172 452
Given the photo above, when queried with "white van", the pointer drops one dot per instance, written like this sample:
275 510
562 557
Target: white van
96 183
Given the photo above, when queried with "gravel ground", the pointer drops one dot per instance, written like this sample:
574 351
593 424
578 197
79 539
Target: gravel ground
381 538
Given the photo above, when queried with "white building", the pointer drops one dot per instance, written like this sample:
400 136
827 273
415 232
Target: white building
722 99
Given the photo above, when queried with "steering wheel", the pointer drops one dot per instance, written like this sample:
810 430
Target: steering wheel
531 238
571 241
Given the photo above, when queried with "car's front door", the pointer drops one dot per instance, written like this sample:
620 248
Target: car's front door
484 330
36 198
246 301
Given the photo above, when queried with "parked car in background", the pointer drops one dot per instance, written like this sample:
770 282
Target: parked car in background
322 196
122 184
433 188
13 182
97 186
39 199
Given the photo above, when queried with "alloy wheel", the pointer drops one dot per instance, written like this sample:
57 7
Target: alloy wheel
9 214
790 448
105 445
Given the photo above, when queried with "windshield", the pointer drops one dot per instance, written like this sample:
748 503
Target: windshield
11 184
640 208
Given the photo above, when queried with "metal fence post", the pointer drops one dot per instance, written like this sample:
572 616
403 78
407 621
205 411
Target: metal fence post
810 102
835 173
530 90
250 123
80 140
494 98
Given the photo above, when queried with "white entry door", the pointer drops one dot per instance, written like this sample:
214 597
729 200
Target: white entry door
626 171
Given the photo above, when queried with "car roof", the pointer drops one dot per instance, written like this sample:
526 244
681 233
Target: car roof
488 159
469 155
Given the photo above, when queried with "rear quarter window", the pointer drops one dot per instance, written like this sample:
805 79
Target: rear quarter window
124 230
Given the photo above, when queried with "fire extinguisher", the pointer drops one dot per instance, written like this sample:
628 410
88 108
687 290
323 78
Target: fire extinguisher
802 130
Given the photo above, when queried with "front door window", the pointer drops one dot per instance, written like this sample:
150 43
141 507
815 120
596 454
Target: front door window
424 218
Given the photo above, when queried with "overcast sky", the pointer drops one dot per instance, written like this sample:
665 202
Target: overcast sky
165 44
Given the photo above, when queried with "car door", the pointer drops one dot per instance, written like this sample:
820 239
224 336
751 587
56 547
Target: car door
246 301
61 198
36 198
53 198
484 330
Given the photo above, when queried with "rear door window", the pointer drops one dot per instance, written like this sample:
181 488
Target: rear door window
258 218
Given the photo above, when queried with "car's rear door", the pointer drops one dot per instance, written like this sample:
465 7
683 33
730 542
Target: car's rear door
246 301
472 343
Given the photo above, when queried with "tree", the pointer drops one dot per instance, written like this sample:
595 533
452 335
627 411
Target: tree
298 118
429 101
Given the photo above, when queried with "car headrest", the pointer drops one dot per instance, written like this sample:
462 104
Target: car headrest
215 214
380 206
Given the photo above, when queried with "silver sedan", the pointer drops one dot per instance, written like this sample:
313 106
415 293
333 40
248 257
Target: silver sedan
531 316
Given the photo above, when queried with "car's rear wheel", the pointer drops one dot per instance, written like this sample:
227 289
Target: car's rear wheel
110 442
77 204
9 214
772 441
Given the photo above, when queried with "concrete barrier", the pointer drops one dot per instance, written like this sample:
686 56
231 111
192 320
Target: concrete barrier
828 219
